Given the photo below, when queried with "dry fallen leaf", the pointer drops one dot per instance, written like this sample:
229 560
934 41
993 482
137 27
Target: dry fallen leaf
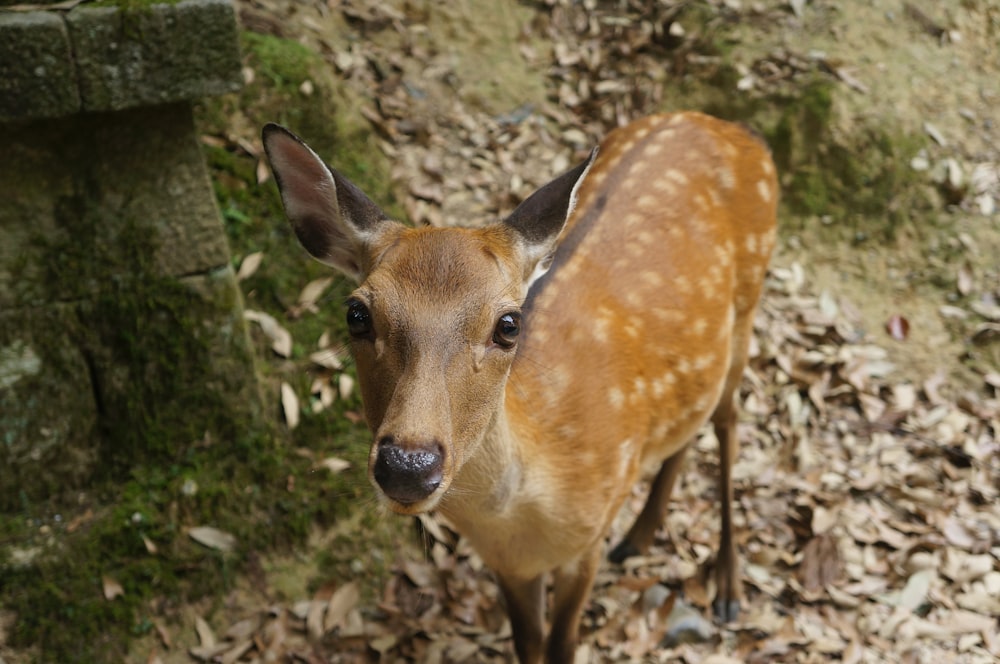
915 591
281 339
820 563
213 538
112 588
290 405
345 386
317 607
334 465
343 600
313 290
262 171
327 358
964 281
898 327
249 265
206 636
161 631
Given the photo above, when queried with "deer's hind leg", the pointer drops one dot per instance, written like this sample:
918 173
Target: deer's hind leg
729 591
642 532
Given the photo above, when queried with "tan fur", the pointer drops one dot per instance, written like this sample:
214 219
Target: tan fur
633 340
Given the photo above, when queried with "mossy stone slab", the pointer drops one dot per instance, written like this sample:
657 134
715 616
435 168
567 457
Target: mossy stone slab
48 415
37 74
121 327
110 57
75 186
155 54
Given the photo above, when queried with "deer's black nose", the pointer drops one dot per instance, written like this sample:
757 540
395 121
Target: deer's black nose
408 474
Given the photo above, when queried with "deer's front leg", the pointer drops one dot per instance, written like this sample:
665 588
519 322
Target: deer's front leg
526 609
572 584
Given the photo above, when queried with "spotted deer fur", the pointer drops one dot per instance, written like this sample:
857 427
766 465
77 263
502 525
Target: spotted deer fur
519 377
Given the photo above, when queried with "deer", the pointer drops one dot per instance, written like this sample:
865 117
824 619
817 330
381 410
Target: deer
520 376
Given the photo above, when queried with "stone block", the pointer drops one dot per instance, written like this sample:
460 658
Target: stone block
37 74
154 55
82 191
111 58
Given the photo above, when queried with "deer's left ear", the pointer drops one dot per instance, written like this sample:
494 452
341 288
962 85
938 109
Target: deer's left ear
332 218
540 218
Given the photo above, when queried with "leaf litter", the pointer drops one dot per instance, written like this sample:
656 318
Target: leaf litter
867 511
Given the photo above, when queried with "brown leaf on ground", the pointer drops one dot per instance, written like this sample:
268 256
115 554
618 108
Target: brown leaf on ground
820 564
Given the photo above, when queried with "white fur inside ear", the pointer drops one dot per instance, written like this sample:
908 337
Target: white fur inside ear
544 261
541 267
579 181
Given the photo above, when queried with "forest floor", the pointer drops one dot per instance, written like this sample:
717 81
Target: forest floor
868 479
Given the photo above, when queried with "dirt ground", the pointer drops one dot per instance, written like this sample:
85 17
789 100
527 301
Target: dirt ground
868 479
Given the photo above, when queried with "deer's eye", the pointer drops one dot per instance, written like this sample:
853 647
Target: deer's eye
506 331
359 320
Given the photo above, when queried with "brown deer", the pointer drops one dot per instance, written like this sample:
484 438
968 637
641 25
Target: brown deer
518 377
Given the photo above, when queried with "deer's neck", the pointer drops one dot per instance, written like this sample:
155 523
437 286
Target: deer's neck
491 479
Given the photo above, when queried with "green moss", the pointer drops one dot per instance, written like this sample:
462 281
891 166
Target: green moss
861 182
285 62
163 417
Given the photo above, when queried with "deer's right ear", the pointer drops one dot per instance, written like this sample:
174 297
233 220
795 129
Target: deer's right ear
332 218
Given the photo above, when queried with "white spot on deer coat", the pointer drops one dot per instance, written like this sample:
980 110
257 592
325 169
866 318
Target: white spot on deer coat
652 278
723 255
616 398
625 458
672 316
726 177
600 329
647 202
665 186
632 219
676 176
703 362
764 189
658 388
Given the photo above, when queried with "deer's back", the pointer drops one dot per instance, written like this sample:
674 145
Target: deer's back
628 336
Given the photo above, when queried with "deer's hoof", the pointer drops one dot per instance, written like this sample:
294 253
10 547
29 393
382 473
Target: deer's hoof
726 610
623 551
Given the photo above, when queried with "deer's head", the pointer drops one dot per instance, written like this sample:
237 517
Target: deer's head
435 319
